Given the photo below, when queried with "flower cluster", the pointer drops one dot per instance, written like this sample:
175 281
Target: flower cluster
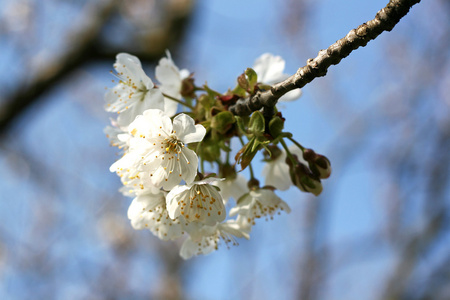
164 149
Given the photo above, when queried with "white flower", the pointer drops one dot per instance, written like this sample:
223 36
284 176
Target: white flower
158 151
117 136
134 93
197 202
134 185
269 69
276 172
208 238
232 188
259 203
149 212
171 79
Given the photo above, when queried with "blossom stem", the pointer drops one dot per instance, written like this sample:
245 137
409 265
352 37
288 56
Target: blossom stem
202 165
179 101
296 143
288 153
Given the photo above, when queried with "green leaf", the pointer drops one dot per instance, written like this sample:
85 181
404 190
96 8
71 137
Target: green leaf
240 124
211 93
247 153
243 82
239 91
252 77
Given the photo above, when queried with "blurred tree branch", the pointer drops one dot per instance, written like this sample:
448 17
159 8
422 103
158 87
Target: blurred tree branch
83 46
384 20
79 51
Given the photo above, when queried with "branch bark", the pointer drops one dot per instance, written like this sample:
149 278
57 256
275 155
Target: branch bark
384 20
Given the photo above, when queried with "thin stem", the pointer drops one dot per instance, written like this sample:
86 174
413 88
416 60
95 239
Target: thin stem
178 101
202 165
296 143
288 153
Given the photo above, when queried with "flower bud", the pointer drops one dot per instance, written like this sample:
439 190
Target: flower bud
303 178
188 88
253 183
319 164
209 151
276 126
223 121
323 166
227 171
257 123
275 152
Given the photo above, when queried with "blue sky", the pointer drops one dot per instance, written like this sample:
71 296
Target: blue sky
338 116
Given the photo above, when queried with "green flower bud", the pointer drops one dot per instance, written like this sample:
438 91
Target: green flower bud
209 151
276 126
257 123
223 121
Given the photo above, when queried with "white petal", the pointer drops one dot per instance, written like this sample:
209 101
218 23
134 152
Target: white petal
188 249
189 164
276 173
170 107
167 72
172 199
158 120
186 129
291 96
269 68
131 66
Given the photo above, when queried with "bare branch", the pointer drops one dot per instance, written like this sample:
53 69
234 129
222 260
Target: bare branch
384 20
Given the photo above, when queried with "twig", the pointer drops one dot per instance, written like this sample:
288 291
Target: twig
384 20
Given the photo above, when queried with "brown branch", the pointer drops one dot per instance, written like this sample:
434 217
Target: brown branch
384 20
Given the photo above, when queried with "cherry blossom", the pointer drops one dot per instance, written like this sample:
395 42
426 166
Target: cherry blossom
170 78
134 93
259 203
197 202
158 149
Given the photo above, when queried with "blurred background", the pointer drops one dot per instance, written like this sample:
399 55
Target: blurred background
380 229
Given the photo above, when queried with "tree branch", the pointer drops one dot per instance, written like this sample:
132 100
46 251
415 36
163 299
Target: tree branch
86 45
52 73
384 20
